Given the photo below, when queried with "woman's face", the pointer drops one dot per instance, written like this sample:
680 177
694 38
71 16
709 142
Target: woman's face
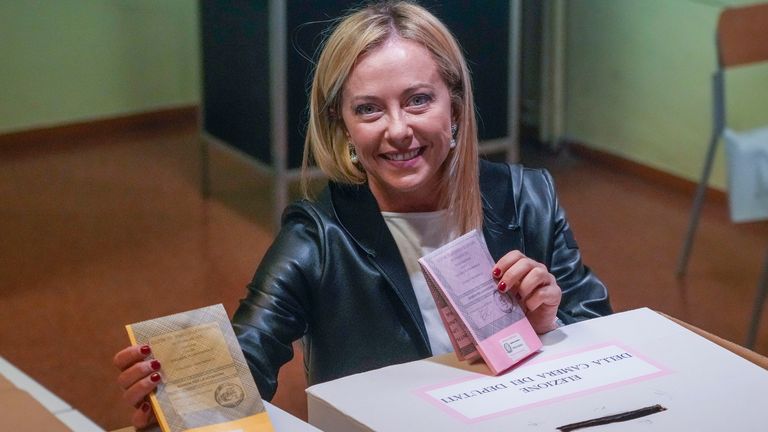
397 113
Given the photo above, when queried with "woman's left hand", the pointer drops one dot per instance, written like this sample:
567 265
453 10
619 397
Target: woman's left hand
535 287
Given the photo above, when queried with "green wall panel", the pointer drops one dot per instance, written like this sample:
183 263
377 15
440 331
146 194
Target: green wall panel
638 80
73 60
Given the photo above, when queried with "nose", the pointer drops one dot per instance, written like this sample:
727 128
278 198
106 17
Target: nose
399 130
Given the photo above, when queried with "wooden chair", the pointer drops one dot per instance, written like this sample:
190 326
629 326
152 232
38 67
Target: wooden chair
742 39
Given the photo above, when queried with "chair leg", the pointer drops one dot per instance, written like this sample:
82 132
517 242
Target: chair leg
698 202
718 124
762 292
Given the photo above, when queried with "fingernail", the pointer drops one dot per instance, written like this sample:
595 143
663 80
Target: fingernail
145 407
155 377
154 364
145 349
502 286
496 272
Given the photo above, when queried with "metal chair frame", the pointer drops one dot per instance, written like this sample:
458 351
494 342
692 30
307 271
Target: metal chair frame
741 39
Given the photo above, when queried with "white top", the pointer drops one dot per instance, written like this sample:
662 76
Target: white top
416 235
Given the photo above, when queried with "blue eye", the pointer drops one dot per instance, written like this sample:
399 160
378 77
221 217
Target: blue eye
420 99
365 109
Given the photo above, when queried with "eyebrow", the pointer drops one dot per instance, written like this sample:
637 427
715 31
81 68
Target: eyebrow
410 89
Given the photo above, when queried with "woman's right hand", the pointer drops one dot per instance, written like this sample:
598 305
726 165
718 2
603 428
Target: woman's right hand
138 377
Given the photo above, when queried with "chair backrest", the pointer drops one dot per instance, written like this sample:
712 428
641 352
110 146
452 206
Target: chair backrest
742 35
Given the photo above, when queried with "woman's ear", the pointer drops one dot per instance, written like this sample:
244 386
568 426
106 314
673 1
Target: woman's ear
338 121
343 128
455 117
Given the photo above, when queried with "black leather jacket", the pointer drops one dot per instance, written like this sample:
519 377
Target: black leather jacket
335 277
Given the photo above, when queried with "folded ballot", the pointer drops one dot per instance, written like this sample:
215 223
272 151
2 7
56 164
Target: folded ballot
206 384
481 321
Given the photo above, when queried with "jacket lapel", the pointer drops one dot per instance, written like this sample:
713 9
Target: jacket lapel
358 212
501 227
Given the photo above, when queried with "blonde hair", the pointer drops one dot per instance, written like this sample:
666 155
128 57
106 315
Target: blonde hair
362 31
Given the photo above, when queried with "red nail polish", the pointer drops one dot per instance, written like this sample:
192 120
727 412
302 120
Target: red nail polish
502 286
145 407
145 349
496 272
155 377
154 364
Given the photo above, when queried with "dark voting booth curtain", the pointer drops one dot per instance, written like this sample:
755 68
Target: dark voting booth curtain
236 66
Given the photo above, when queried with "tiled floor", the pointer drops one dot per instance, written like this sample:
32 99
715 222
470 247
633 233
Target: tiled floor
104 232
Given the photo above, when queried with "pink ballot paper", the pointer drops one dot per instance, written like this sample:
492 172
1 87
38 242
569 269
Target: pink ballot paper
480 320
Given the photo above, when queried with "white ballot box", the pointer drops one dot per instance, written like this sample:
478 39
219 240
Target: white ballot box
609 370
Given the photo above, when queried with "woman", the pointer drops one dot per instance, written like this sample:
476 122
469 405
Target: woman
392 125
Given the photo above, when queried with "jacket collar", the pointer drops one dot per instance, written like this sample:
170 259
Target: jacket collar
500 187
358 212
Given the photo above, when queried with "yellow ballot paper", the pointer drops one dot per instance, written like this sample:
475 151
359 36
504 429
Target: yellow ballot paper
206 384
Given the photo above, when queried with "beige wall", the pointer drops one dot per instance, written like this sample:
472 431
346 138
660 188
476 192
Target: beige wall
638 82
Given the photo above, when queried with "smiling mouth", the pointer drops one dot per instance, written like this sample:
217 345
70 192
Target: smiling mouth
405 156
